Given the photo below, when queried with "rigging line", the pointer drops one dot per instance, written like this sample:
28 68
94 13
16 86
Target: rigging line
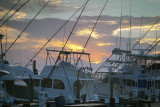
52 58
140 40
153 45
63 35
156 37
140 31
6 38
14 13
64 45
120 27
145 50
102 65
10 10
130 26
81 63
92 31
66 76
53 35
26 27
145 33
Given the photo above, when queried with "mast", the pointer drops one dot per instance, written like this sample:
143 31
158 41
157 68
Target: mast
2 54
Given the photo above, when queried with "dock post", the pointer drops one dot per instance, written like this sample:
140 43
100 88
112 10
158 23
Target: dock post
112 102
26 105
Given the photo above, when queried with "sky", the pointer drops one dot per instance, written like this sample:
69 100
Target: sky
143 14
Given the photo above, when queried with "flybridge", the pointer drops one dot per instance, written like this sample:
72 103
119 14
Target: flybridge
69 55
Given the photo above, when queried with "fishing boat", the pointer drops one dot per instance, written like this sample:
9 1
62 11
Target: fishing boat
65 80
137 75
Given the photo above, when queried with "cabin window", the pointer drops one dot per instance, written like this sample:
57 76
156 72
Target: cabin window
36 82
47 83
58 84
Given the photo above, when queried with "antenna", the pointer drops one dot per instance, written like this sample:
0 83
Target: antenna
120 27
140 31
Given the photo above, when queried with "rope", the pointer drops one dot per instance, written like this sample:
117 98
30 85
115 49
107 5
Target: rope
92 31
130 33
133 45
53 36
9 10
64 46
26 27
120 27
14 13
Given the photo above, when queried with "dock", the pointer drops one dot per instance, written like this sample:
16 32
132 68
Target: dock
153 104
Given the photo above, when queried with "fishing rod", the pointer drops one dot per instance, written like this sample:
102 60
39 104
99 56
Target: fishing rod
133 45
53 36
14 13
64 46
140 39
9 10
92 31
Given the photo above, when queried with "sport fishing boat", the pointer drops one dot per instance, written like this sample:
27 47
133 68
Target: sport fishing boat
66 80
137 75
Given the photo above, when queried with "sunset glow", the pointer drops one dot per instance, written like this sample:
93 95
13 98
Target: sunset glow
17 16
87 32
104 44
96 62
105 36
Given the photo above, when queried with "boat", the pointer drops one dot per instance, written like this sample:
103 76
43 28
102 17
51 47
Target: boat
137 75
66 80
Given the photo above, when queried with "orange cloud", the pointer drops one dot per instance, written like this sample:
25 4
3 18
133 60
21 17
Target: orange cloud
104 44
54 1
107 22
13 33
17 16
57 43
148 40
157 52
87 32
96 62
98 57
137 28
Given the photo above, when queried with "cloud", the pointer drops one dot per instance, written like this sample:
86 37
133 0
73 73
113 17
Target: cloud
149 40
100 46
69 45
104 44
87 32
16 16
37 44
55 1
96 62
13 33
